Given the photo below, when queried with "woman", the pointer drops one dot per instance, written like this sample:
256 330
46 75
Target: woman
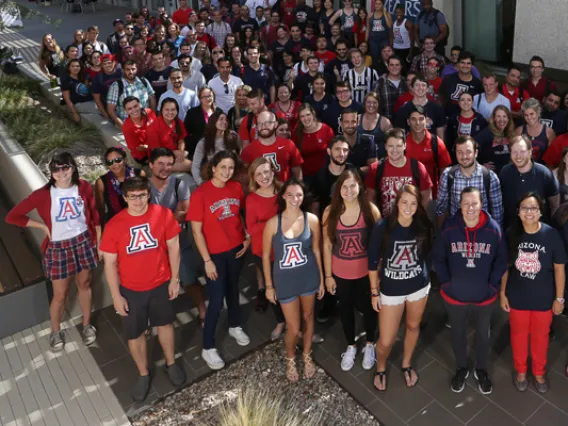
174 36
260 207
284 107
466 123
160 36
532 290
73 233
168 131
540 135
144 34
230 42
50 57
122 56
561 174
360 27
364 48
240 110
320 99
296 275
283 129
108 195
216 137
135 129
202 52
372 125
71 52
244 21
346 274
327 14
236 59
347 18
75 92
78 38
564 103
403 35
197 118
245 40
86 50
93 66
494 140
278 48
222 242
311 137
392 295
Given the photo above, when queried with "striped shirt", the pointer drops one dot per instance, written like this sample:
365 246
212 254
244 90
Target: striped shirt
362 83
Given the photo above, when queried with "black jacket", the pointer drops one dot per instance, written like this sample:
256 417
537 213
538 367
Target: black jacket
477 125
195 126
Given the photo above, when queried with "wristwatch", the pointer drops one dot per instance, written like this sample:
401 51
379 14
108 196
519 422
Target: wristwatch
560 300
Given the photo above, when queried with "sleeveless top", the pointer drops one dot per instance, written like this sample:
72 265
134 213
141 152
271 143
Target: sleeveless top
349 255
347 23
378 30
376 135
295 270
401 35
539 143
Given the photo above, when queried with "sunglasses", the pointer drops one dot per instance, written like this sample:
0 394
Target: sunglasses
217 52
226 89
117 160
60 168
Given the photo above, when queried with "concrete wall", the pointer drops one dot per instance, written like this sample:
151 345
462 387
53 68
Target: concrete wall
540 28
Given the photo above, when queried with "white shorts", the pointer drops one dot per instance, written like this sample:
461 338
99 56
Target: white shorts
399 300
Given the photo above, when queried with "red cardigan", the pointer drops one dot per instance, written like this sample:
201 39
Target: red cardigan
40 200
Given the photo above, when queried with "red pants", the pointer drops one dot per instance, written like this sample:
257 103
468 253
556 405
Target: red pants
537 325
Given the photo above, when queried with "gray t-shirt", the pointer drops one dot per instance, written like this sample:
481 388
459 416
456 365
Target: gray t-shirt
168 197
429 24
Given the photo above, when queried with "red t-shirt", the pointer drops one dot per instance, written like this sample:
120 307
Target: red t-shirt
288 12
162 135
515 98
360 28
258 210
291 116
140 245
181 17
218 209
283 153
325 57
209 41
313 150
136 136
244 134
553 155
423 152
393 179
464 125
539 90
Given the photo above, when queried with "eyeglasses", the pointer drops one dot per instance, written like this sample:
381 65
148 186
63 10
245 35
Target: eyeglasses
129 28
60 168
117 160
266 124
529 209
133 197
226 89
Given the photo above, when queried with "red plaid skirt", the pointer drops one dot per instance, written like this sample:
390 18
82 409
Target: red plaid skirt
64 259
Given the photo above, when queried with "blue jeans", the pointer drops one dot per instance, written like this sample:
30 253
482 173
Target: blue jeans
226 286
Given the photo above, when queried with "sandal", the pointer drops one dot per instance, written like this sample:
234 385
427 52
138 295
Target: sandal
382 375
277 332
291 370
309 366
407 373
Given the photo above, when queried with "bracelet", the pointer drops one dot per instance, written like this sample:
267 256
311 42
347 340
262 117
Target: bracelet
328 277
269 288
207 261
375 295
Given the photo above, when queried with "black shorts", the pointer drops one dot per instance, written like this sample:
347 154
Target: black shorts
143 306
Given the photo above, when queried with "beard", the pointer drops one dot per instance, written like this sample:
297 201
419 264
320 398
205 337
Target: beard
265 134
338 163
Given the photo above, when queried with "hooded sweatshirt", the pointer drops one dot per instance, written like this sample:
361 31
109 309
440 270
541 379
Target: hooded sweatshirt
470 261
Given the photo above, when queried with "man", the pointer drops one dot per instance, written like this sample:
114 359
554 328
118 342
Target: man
468 172
323 54
470 257
242 24
552 116
362 79
234 14
332 115
186 49
159 74
420 62
433 78
303 84
259 76
185 98
225 85
140 22
248 131
282 152
140 248
129 85
553 155
337 68
362 151
432 23
485 103
181 16
406 97
91 37
268 33
451 67
523 175
381 63
218 29
390 87
192 78
201 35
387 176
513 91
456 84
296 40
259 17
537 85
103 81
254 4
301 67
112 40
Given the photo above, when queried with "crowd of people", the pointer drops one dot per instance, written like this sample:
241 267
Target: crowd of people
356 162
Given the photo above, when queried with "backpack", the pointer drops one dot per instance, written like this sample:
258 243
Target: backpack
486 183
381 171
436 12
121 86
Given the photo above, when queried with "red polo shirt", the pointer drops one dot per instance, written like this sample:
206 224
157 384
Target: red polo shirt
181 16
516 98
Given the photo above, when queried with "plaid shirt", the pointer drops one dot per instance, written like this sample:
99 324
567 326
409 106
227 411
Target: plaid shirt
218 31
388 95
140 89
420 63
492 204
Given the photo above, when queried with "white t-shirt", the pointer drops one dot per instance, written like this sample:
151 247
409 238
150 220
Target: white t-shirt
481 105
225 96
67 213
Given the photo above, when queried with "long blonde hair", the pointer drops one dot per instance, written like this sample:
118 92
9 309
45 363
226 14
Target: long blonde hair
253 186
43 49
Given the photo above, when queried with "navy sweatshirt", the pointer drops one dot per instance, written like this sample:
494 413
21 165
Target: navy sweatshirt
470 261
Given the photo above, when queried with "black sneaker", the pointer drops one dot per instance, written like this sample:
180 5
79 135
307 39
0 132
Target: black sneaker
141 388
458 381
326 311
483 383
176 374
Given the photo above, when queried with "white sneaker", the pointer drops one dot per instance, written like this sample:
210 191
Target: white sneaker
212 358
348 358
368 356
239 335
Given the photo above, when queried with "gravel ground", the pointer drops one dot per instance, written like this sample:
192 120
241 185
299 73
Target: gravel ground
263 371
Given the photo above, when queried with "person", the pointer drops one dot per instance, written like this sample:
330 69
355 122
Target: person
372 125
248 129
261 205
225 85
468 122
379 29
243 22
294 235
217 28
278 48
322 52
222 242
561 174
420 62
283 153
102 82
408 96
494 140
181 15
431 22
347 17
141 55
240 108
532 289
284 107
434 79
362 150
112 40
320 98
108 193
135 129
553 155
259 76
380 63
268 33
76 93
386 177
129 85
455 84
216 137
332 115
390 87
197 118
399 281
513 91
450 67
92 66
540 135
304 82
403 35
364 48
91 37
283 129
469 275
70 222
346 225
552 116
192 78
523 174
337 68
159 73
141 257
468 173
361 78
186 98
485 102
537 85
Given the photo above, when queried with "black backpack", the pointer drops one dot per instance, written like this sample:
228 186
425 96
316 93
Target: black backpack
381 171
436 12
486 183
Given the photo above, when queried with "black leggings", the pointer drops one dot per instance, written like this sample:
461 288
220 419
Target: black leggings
356 294
276 308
